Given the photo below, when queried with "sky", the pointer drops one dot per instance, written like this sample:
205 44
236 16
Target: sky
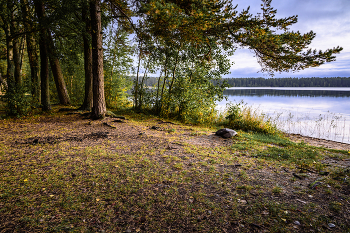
329 19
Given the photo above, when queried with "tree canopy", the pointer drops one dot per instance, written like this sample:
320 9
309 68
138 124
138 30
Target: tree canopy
186 43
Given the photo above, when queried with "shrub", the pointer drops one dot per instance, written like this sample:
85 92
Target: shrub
240 116
17 102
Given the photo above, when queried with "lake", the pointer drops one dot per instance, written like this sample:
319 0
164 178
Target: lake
310 111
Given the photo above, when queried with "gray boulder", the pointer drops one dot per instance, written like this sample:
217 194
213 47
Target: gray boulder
226 133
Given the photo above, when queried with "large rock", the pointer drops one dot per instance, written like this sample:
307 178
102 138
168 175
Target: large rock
226 133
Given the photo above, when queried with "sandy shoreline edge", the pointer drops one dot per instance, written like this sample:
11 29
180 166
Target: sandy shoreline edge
319 142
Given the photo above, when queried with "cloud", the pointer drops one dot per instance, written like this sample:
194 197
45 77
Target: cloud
328 19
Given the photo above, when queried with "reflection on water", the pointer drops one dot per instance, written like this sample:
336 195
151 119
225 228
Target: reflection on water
283 92
315 112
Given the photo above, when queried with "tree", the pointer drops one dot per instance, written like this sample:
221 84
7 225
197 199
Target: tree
99 102
54 61
44 63
31 50
197 21
10 22
57 71
88 99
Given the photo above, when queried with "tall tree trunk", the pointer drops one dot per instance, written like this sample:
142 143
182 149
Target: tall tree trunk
57 72
9 58
174 70
136 92
17 61
44 63
16 56
34 66
87 105
99 102
159 99
32 53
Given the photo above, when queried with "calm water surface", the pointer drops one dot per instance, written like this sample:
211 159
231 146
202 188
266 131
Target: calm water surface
315 112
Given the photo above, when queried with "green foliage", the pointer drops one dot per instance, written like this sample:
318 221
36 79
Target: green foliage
185 90
17 101
245 118
117 68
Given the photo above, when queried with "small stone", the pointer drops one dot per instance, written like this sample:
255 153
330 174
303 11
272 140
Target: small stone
331 225
209 212
242 201
297 223
128 231
265 212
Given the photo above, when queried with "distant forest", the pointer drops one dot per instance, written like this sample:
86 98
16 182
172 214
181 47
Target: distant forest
276 82
289 82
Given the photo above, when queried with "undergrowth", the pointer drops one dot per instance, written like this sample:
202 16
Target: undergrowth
240 116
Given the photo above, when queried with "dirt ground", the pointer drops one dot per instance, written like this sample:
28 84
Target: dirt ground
129 136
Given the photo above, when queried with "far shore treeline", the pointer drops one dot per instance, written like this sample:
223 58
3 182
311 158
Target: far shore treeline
289 82
277 82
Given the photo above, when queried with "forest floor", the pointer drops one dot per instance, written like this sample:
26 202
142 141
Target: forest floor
64 172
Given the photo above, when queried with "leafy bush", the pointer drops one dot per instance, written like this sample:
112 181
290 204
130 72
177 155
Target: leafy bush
240 116
17 102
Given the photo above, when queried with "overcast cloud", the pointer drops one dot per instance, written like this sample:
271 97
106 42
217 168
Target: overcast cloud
330 20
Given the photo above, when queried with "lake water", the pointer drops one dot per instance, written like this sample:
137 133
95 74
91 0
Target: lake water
315 112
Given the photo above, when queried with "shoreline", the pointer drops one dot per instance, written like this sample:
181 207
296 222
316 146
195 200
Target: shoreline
319 142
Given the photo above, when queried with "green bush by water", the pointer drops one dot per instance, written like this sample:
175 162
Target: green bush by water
240 116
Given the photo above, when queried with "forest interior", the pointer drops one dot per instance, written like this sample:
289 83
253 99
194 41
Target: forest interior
108 119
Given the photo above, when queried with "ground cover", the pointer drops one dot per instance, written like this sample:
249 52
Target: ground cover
64 172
